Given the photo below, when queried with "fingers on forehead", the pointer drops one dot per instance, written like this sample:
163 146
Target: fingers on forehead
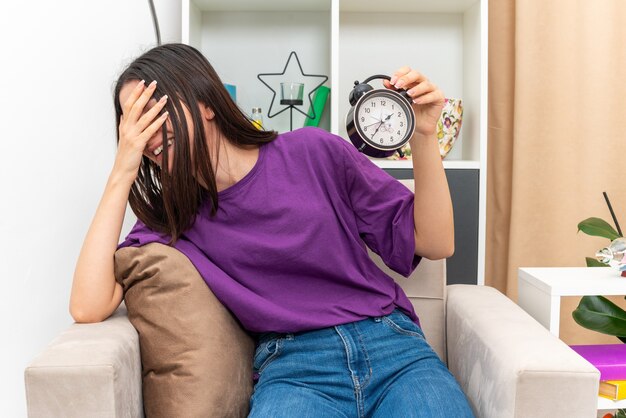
129 93
150 104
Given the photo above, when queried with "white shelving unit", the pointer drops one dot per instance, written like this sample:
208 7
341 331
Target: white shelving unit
350 40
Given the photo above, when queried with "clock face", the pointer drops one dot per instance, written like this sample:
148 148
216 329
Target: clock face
384 119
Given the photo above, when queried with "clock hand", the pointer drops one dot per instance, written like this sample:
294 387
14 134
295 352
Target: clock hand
386 120
381 122
376 131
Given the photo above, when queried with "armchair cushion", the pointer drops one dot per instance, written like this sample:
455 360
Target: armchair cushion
196 359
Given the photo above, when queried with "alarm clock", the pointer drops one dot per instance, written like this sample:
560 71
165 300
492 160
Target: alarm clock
380 121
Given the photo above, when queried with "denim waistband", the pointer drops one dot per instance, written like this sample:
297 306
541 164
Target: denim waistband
264 336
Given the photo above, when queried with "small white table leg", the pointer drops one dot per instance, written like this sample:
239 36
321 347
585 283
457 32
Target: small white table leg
555 315
545 308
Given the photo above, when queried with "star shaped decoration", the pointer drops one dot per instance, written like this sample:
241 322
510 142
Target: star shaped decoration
303 75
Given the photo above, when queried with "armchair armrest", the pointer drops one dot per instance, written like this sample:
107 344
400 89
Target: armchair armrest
88 370
508 364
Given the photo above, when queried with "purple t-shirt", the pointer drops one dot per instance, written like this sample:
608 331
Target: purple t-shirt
286 250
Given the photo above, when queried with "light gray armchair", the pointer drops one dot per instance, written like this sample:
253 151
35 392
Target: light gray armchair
507 364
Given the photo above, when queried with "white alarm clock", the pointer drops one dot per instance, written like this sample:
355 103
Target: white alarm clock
380 121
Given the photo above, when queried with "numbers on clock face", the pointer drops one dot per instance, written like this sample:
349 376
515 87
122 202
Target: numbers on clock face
383 120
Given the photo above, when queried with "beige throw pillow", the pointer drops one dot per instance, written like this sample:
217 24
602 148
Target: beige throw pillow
196 358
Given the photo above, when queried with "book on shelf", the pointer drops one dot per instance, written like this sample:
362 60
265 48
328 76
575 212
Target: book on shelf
613 389
232 90
319 103
609 359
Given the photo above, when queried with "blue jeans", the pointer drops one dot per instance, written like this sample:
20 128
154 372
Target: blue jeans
378 367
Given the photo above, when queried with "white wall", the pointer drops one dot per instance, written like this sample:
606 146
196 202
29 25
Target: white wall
58 63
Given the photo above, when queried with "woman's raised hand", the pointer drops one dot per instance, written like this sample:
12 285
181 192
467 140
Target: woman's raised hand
95 293
136 127
427 99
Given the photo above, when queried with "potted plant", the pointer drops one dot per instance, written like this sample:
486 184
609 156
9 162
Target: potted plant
597 313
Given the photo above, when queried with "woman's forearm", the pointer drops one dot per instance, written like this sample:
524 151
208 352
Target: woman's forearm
434 222
95 293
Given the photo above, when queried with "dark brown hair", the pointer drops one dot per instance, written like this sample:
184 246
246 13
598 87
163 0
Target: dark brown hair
168 202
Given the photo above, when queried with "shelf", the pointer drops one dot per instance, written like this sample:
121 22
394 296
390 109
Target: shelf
265 6
241 43
408 164
447 47
368 6
604 403
407 6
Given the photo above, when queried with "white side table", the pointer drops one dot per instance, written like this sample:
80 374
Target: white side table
540 290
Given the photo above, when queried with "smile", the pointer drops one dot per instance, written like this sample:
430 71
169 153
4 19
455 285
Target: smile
159 149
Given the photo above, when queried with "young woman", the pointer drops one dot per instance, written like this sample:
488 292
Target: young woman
277 226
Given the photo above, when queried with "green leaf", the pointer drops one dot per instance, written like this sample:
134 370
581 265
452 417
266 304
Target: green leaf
598 227
599 314
592 262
